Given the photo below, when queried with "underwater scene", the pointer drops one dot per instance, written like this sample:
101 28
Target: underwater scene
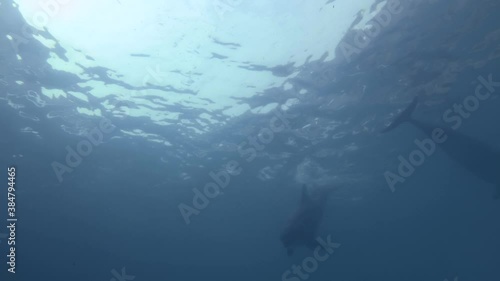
235 140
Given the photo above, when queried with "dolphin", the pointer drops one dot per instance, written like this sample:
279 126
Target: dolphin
303 225
477 157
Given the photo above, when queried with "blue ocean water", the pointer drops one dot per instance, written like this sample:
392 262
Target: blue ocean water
171 140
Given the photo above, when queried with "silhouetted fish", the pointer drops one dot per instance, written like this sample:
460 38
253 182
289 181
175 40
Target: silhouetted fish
303 226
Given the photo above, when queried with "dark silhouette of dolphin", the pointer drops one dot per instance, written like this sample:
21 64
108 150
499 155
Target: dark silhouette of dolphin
303 226
476 156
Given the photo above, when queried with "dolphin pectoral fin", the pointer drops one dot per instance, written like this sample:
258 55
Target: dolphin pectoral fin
405 116
289 251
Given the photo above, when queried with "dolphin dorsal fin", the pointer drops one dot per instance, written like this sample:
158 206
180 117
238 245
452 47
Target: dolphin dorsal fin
305 195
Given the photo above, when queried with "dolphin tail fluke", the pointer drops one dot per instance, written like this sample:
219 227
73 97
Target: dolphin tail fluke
405 116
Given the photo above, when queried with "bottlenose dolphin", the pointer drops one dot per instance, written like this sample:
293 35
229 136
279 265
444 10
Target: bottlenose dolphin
303 225
476 156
